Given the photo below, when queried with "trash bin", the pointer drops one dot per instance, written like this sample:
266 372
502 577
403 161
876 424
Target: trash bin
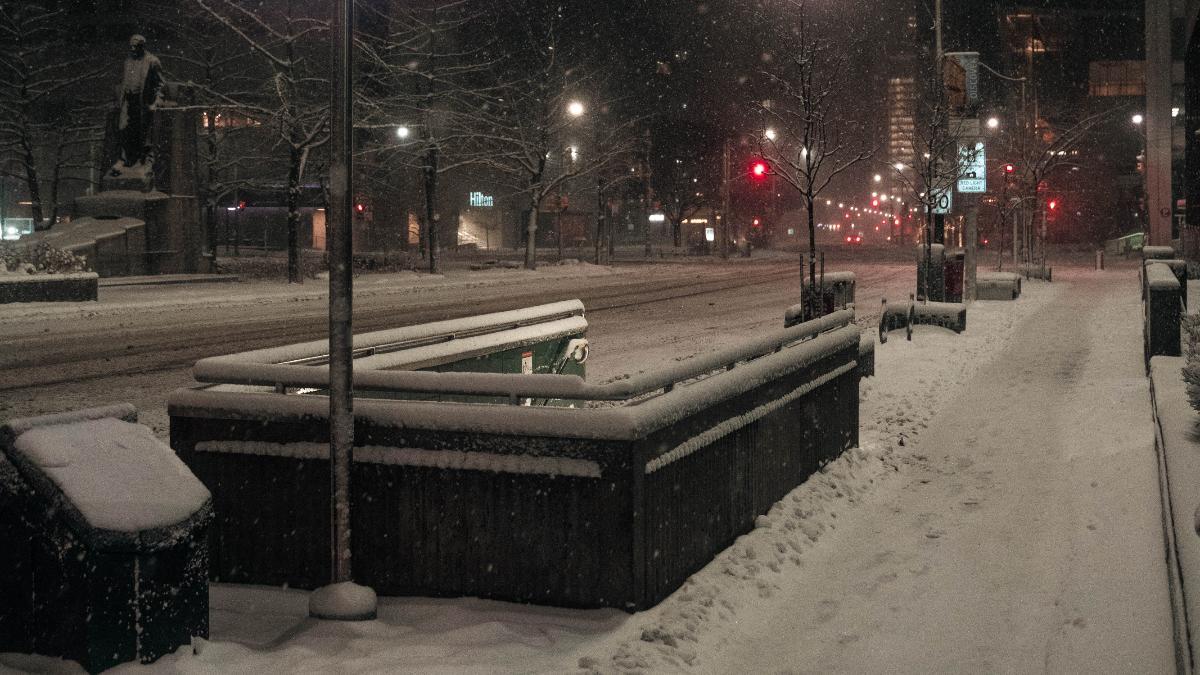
955 264
106 534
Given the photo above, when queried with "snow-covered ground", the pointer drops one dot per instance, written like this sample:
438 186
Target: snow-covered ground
1001 515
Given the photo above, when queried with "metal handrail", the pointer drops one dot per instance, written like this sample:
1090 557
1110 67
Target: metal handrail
518 386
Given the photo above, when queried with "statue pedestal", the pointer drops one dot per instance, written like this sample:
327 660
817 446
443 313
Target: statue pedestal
139 178
172 238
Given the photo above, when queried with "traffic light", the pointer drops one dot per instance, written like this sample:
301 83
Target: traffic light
1009 169
757 223
1052 204
759 169
874 203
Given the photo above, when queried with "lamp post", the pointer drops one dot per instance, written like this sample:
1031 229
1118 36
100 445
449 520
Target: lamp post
1138 121
360 602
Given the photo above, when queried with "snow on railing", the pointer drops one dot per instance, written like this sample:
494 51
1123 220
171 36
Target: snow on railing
397 339
821 337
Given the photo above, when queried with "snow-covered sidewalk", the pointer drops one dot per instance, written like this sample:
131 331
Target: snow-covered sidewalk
1002 515
1023 531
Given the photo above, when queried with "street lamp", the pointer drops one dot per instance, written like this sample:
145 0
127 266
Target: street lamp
993 123
575 109
1138 119
898 166
878 178
770 134
402 132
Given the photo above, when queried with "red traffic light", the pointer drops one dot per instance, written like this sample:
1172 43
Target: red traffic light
1053 204
875 203
1009 168
756 222
242 204
360 208
759 169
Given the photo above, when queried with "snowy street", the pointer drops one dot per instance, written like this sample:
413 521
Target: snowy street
1002 515
138 344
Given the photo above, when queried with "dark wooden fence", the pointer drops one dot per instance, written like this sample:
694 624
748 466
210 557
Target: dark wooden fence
605 505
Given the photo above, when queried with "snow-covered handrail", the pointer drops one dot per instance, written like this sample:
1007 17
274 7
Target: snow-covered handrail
395 339
825 330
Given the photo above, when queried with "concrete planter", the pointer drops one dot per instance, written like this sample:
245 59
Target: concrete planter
48 287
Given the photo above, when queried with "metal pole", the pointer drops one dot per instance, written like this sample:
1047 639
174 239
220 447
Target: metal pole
649 198
341 402
970 258
723 231
599 216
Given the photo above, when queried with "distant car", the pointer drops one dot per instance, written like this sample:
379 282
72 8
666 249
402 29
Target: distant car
854 238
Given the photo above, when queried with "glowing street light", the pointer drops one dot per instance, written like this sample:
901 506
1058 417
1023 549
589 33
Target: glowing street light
993 123
1138 119
878 178
575 109
899 166
770 134
402 132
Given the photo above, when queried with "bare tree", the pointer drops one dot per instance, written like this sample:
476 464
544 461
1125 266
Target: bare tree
284 42
804 139
42 136
210 74
420 84
1053 146
684 184
533 124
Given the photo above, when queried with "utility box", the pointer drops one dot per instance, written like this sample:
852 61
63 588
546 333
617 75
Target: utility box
105 540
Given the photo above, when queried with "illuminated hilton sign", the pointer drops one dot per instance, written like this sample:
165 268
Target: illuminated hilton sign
480 199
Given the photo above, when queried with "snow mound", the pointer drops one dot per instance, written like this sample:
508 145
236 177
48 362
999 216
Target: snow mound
118 474
345 601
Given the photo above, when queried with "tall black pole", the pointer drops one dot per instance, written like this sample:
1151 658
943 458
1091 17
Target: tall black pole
341 401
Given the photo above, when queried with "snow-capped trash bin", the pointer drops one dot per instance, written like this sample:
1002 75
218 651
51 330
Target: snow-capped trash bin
997 286
1163 310
106 533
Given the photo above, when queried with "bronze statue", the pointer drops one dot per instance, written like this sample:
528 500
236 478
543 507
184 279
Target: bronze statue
141 91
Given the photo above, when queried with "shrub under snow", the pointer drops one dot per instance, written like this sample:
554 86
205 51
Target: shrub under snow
41 258
1191 368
